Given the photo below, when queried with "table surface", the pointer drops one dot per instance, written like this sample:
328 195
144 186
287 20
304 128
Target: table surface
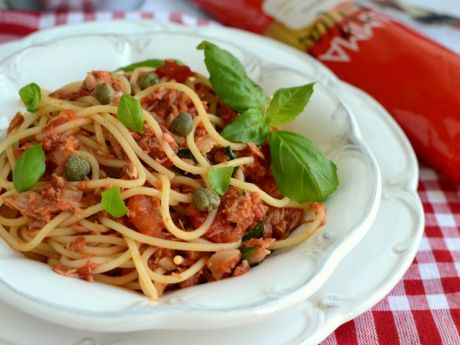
424 307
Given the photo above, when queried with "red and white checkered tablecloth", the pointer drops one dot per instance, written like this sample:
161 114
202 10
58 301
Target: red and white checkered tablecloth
16 24
424 307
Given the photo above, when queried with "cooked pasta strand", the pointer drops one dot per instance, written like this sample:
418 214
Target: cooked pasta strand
155 231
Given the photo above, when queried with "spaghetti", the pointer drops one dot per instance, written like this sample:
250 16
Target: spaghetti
164 241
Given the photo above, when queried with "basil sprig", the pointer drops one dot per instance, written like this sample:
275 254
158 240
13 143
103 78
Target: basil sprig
250 126
257 231
31 96
288 103
144 63
246 253
229 153
301 171
153 63
230 81
130 113
29 168
113 203
219 178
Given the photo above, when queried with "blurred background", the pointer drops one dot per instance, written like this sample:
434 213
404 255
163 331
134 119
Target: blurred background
438 19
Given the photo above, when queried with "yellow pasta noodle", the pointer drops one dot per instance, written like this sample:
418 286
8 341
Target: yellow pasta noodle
165 237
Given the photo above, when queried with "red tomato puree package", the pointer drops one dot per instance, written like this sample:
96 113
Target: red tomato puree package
416 79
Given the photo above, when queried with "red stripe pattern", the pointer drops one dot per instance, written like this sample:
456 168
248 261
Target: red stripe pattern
424 307
17 24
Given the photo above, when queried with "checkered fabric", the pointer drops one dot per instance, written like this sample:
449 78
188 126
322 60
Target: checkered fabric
17 24
424 307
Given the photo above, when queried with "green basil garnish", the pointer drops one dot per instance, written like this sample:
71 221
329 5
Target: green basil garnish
288 103
246 253
230 81
248 127
31 96
153 63
300 169
219 178
130 113
257 231
185 153
113 203
229 153
29 168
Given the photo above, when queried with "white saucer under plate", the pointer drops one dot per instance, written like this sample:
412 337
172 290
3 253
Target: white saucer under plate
359 281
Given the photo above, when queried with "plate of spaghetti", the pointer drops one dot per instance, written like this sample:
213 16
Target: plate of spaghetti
175 171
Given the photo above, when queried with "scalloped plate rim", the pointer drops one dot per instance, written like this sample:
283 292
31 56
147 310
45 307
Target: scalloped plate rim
351 311
267 308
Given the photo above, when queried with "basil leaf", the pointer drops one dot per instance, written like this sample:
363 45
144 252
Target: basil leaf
230 81
31 96
185 153
113 203
179 171
229 153
29 168
219 178
248 127
130 113
257 231
246 253
288 103
301 171
145 63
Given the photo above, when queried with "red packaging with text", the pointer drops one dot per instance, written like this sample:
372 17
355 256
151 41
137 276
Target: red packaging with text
416 79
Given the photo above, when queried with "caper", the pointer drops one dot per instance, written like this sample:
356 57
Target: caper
104 93
77 168
205 199
148 80
182 124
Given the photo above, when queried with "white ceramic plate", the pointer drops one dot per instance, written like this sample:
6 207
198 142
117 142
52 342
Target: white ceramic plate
287 278
395 235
